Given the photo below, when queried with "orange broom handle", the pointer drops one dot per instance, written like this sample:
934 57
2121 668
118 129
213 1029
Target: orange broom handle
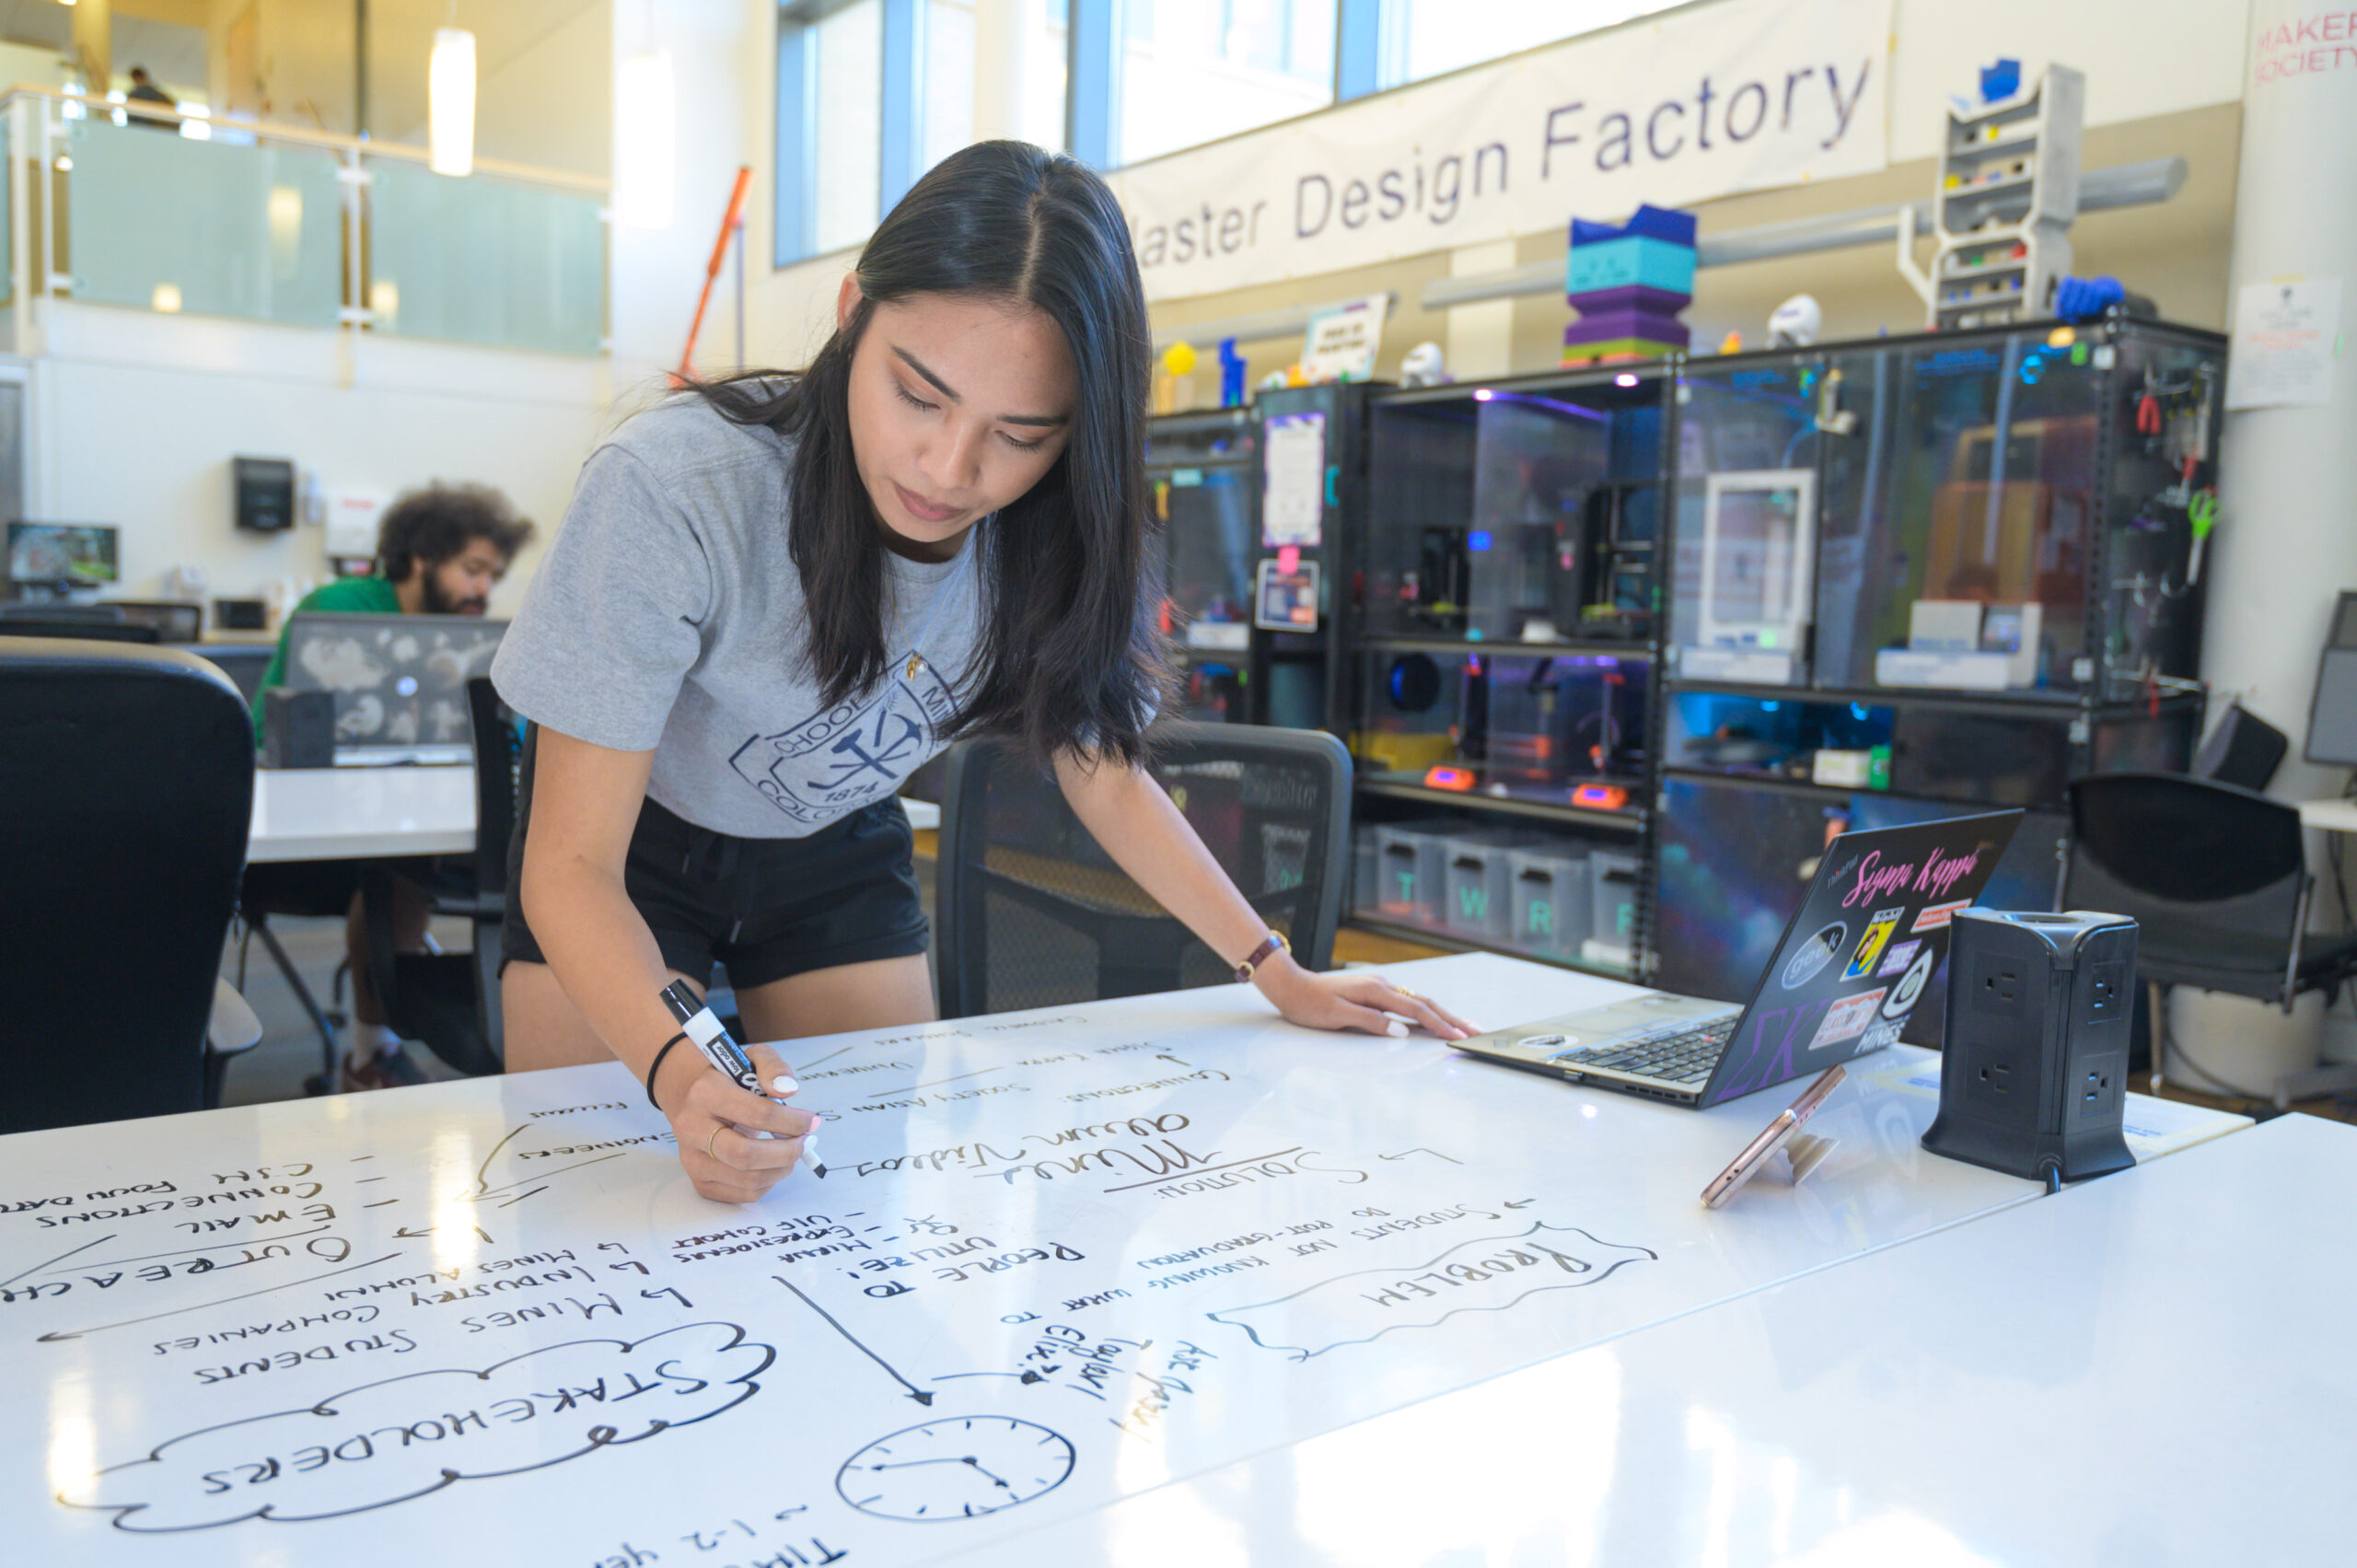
729 225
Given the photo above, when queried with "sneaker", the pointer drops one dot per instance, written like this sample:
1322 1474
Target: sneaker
384 1070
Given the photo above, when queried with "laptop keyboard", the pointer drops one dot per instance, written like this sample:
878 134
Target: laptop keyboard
1677 1054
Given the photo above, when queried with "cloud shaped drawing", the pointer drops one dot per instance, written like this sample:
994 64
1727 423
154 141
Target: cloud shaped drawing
405 1437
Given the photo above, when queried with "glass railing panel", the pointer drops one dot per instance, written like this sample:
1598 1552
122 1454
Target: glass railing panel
161 222
484 261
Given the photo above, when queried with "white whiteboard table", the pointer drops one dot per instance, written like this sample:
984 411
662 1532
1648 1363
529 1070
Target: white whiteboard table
2144 1371
1055 1260
361 813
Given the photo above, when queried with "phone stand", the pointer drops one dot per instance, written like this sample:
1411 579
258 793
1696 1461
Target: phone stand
1806 1153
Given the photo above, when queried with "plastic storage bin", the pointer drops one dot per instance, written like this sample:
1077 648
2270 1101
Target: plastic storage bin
1549 908
1478 890
1613 888
1364 861
1411 870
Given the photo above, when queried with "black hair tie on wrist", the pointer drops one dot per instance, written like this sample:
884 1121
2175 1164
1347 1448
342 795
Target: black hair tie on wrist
658 1067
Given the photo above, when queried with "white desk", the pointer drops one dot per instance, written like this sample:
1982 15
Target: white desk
361 813
2334 816
372 813
2144 1371
1102 1249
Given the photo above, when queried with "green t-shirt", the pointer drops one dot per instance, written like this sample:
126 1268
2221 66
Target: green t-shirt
346 596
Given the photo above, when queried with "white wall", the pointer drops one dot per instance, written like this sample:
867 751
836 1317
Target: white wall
2142 57
723 58
135 418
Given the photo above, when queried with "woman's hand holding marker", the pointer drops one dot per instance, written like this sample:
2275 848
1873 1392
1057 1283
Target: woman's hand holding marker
735 1144
752 1141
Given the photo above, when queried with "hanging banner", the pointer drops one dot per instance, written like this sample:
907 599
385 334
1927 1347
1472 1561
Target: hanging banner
1710 100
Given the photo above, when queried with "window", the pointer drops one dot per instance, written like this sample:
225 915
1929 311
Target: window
847 141
1425 38
1193 70
873 93
1027 94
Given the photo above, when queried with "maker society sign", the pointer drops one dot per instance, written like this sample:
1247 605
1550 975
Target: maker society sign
1739 96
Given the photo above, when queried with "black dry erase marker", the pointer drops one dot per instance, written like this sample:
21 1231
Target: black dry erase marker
701 1024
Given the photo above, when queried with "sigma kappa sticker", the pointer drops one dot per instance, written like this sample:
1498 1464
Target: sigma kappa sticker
1910 989
1846 1019
1870 943
1934 916
1895 957
1818 952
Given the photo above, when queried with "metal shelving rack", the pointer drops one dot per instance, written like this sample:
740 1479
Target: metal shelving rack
1629 829
2102 693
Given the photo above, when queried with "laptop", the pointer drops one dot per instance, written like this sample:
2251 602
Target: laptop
399 681
1855 961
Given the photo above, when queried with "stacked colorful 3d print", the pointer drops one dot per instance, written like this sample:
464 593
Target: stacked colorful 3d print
1629 282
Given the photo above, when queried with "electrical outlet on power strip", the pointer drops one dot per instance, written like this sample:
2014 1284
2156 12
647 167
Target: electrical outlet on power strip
2036 1043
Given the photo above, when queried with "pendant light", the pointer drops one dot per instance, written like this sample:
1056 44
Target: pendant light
450 101
645 139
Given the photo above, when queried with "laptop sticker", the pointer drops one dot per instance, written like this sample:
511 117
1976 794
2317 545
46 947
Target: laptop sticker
1805 965
1896 957
1884 1033
1910 989
1934 916
1846 1019
1870 944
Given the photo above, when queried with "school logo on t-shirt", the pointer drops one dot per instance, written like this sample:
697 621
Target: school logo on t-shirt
856 752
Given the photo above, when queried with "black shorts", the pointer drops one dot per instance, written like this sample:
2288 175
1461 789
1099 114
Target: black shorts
767 908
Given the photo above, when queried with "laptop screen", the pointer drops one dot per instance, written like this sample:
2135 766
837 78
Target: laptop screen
399 681
1858 956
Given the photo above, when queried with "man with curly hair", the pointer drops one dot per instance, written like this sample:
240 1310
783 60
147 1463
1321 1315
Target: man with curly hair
440 550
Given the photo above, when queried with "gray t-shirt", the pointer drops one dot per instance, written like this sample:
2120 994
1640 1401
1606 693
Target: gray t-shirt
668 615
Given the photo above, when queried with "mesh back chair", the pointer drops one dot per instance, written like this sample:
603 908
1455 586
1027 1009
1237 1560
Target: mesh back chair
449 1002
2216 878
126 795
1032 913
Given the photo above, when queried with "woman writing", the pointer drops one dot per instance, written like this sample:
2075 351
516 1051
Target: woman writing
772 599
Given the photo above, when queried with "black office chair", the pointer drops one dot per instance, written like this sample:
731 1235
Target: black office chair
1032 913
449 1002
2217 880
126 795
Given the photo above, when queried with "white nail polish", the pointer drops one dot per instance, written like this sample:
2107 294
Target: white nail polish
783 1084
1396 1029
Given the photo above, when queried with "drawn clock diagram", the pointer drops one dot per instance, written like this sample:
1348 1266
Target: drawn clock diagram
958 1468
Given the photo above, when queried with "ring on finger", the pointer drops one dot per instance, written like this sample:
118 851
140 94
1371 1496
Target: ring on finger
708 1142
1408 993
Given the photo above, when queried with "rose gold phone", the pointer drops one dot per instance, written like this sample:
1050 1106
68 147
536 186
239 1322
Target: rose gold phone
1756 1153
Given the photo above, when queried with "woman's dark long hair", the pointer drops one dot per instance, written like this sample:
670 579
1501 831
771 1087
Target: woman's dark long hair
1068 658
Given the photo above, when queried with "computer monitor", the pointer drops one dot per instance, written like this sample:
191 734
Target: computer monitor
2332 717
77 554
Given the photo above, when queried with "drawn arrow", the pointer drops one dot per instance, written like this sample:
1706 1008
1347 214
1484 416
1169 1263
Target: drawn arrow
37 1268
1026 1376
405 1234
201 1306
922 1396
1522 1202
1405 1153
